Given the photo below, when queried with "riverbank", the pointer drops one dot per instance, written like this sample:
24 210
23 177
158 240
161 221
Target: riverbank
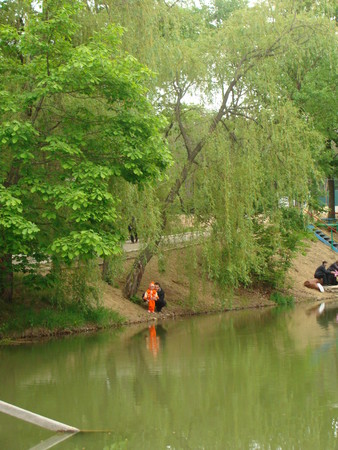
177 288
184 299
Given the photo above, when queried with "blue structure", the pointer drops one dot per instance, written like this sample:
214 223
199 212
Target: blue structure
327 240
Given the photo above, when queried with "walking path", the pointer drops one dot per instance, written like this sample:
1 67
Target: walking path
170 240
129 247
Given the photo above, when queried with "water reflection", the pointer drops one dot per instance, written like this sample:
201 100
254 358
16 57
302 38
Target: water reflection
153 341
328 318
255 379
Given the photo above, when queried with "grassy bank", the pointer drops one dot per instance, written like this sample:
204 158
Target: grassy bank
27 320
38 316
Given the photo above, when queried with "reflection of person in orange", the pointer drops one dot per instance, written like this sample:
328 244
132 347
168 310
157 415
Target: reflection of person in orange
153 341
151 297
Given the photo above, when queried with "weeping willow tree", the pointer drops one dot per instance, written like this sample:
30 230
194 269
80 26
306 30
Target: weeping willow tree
267 156
310 80
145 23
141 204
224 81
241 189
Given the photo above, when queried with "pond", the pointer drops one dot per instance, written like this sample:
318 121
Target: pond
259 379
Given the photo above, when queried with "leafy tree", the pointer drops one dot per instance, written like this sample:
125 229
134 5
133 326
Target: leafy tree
235 65
309 79
74 117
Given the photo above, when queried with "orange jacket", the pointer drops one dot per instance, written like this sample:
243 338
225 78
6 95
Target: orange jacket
151 294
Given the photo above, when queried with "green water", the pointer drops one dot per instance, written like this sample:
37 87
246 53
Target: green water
264 379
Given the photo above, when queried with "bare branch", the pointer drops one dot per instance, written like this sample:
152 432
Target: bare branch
187 142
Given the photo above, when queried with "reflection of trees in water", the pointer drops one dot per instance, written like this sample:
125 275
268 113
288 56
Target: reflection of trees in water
72 372
161 332
147 370
213 376
229 382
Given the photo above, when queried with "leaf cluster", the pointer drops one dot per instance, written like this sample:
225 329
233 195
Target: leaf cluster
74 116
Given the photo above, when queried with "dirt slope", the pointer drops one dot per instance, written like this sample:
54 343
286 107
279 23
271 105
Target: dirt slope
304 267
176 287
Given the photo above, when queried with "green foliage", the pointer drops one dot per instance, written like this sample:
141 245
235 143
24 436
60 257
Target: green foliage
73 117
136 300
238 196
281 299
277 244
85 243
37 282
112 269
56 320
263 153
67 298
161 262
191 269
224 8
248 94
143 203
309 76
76 284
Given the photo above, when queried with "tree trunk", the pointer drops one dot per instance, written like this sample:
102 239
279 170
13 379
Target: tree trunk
135 275
6 278
105 270
332 205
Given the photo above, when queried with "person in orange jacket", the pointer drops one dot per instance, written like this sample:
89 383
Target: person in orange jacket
151 297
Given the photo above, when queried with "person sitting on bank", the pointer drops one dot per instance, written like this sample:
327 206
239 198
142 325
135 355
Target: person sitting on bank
322 273
151 297
160 302
333 267
333 277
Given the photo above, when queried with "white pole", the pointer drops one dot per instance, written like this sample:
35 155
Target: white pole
36 419
51 442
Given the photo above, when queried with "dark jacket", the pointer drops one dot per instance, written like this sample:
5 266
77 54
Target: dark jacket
160 302
333 267
323 274
332 278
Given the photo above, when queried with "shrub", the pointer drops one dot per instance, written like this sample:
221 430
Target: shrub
135 299
281 299
72 316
